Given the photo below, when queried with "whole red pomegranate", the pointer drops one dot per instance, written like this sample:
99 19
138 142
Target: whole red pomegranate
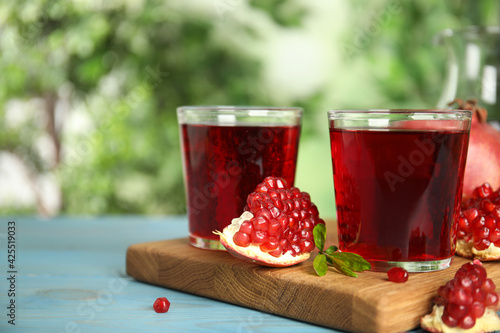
483 158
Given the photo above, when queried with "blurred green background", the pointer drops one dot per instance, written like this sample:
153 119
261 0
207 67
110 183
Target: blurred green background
89 88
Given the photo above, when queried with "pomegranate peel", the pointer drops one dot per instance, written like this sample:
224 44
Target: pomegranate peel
252 253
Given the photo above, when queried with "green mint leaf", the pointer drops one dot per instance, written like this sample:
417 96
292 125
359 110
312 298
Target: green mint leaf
352 261
319 233
345 262
320 265
348 272
331 249
340 266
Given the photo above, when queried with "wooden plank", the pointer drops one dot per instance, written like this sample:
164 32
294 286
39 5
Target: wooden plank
369 303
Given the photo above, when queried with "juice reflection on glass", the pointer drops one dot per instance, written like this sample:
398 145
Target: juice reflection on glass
227 152
398 177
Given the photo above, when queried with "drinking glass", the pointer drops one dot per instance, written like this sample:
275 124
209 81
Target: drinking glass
398 178
227 151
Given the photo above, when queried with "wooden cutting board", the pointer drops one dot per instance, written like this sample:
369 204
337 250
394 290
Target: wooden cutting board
369 303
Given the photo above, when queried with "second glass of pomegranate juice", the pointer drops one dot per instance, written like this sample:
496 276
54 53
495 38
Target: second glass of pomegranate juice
398 177
227 152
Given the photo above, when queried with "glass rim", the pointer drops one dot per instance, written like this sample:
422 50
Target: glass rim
237 108
401 111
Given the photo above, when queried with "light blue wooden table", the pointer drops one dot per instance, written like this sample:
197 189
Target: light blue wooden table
70 278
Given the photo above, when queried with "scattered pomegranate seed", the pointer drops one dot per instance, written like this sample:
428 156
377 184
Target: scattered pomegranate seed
398 275
161 305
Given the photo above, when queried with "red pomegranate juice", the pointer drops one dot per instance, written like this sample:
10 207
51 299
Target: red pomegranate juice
398 193
223 164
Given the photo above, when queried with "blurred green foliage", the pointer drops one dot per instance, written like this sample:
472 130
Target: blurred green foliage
100 81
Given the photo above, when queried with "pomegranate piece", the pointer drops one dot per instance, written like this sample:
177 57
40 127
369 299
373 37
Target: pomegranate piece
276 228
161 305
398 275
467 302
478 233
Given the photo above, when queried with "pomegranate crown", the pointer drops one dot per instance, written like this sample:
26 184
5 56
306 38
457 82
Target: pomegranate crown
472 105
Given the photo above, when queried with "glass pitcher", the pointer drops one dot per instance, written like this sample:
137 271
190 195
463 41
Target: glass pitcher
473 67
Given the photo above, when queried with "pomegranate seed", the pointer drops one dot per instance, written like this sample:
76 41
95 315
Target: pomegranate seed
457 311
295 248
481 244
307 224
161 305
398 275
278 203
483 191
271 245
461 234
264 213
491 299
464 224
274 229
477 310
496 212
306 245
479 222
448 320
488 285
460 296
494 235
277 253
261 224
246 227
481 233
280 183
241 239
490 222
471 214
258 237
306 234
478 295
487 205
275 212
284 243
464 281
467 322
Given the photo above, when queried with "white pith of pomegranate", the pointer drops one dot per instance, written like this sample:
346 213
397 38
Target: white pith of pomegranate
253 253
478 233
489 322
277 227
467 303
483 156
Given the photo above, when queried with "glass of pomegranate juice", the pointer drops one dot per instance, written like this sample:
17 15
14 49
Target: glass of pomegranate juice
227 151
398 178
